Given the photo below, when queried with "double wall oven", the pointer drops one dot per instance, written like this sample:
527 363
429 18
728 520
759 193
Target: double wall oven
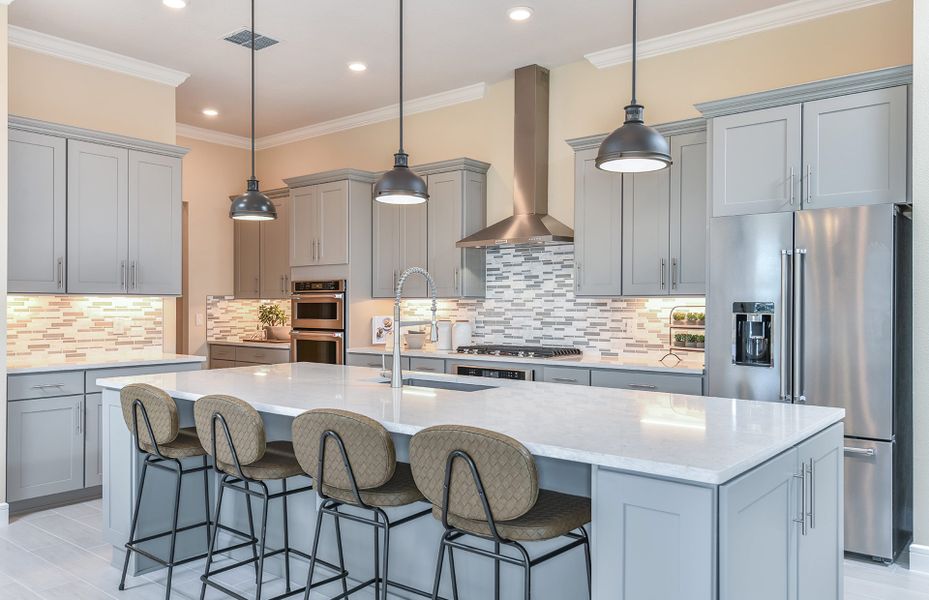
318 322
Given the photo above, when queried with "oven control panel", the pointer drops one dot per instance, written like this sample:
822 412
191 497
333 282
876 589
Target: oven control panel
336 285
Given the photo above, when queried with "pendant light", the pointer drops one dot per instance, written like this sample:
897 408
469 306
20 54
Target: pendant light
400 185
634 147
252 205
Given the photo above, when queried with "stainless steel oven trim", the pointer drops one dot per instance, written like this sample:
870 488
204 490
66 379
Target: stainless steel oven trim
529 373
337 323
320 336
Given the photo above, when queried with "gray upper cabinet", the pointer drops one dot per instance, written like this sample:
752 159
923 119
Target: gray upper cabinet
646 260
247 259
98 219
399 243
756 161
304 210
319 224
457 208
414 246
855 149
598 217
37 212
688 214
155 207
274 270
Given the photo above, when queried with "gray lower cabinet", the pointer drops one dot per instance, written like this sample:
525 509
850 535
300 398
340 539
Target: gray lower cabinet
93 439
45 447
646 259
429 365
648 382
37 213
222 363
598 218
855 149
568 375
374 361
155 206
224 356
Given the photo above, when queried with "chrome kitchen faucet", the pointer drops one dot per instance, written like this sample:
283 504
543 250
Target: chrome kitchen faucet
396 376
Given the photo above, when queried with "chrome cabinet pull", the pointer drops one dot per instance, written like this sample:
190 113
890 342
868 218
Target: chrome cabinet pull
802 519
257 285
783 329
643 386
673 273
429 369
661 272
809 183
577 279
60 272
122 274
799 258
45 386
791 179
80 416
564 379
859 451
132 275
811 513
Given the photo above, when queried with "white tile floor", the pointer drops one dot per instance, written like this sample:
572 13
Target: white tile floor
59 554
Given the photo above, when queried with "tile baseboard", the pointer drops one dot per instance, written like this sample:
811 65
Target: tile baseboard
919 558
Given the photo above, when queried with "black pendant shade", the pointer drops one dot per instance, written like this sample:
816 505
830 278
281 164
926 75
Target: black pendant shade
400 185
635 147
252 205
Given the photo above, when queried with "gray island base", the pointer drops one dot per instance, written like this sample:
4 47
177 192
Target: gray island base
694 498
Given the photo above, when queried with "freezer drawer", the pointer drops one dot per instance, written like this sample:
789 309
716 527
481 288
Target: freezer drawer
869 509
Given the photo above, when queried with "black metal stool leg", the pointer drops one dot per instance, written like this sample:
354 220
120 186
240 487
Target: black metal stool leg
135 523
452 572
264 537
338 541
209 553
497 571
206 499
286 536
438 570
251 528
377 558
590 590
527 565
309 577
386 555
177 510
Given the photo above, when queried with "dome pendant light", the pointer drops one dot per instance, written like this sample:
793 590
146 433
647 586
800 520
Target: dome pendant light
634 147
252 205
400 185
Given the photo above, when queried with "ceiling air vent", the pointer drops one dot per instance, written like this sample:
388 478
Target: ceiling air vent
243 37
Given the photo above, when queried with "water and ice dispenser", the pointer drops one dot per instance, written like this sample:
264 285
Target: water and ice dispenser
752 330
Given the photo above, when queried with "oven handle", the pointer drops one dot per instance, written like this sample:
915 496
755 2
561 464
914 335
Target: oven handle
312 296
312 334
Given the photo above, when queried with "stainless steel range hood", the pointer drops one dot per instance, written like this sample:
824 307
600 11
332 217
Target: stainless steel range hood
530 224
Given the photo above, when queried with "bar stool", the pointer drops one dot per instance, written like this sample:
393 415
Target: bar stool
484 484
164 445
353 463
243 458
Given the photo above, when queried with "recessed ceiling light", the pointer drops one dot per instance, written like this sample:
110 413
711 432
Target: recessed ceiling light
358 67
175 3
519 13
210 112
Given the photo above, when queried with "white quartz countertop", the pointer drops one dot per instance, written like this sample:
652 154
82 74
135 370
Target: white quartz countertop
629 362
282 345
691 438
103 360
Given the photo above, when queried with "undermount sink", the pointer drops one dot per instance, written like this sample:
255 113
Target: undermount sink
444 385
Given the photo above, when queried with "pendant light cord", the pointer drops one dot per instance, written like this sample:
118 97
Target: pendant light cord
253 89
635 20
401 76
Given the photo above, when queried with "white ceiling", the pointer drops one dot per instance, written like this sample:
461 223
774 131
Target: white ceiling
304 80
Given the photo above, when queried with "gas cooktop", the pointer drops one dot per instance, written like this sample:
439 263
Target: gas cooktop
521 351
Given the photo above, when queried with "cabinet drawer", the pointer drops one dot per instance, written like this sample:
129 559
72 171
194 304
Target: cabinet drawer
569 375
374 361
218 363
432 365
45 385
94 374
222 352
262 356
649 382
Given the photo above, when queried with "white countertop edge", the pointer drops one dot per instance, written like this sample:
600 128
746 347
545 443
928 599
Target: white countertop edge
588 361
96 362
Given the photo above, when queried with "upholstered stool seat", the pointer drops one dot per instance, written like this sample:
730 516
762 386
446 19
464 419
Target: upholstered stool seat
400 490
185 445
278 462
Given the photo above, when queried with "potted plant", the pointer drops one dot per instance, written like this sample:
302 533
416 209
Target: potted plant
680 340
273 318
679 318
700 341
691 318
700 318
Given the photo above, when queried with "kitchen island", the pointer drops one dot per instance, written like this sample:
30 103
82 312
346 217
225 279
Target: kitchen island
693 497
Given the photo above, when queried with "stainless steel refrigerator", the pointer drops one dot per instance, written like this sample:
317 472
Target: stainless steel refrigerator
814 307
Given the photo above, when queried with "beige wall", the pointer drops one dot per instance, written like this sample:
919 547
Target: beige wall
61 91
585 100
211 174
4 93
921 277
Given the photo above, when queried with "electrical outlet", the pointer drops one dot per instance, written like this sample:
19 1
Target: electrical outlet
199 319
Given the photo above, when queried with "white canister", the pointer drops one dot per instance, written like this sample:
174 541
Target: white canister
461 334
445 335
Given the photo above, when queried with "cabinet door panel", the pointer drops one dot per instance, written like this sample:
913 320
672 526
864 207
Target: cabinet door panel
597 228
445 227
414 247
386 249
646 264
93 440
688 214
155 207
754 156
332 232
275 252
855 149
304 224
98 219
45 447
473 278
757 532
247 259
37 213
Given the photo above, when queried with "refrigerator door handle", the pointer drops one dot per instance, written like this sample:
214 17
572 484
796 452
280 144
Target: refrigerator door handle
799 263
783 333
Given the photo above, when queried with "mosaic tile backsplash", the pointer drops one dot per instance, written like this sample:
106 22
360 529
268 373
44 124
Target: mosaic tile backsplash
530 300
75 326
229 319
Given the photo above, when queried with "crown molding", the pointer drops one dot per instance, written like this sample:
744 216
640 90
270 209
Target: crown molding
43 43
212 136
91 135
6 2
377 115
456 164
671 128
330 176
762 20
